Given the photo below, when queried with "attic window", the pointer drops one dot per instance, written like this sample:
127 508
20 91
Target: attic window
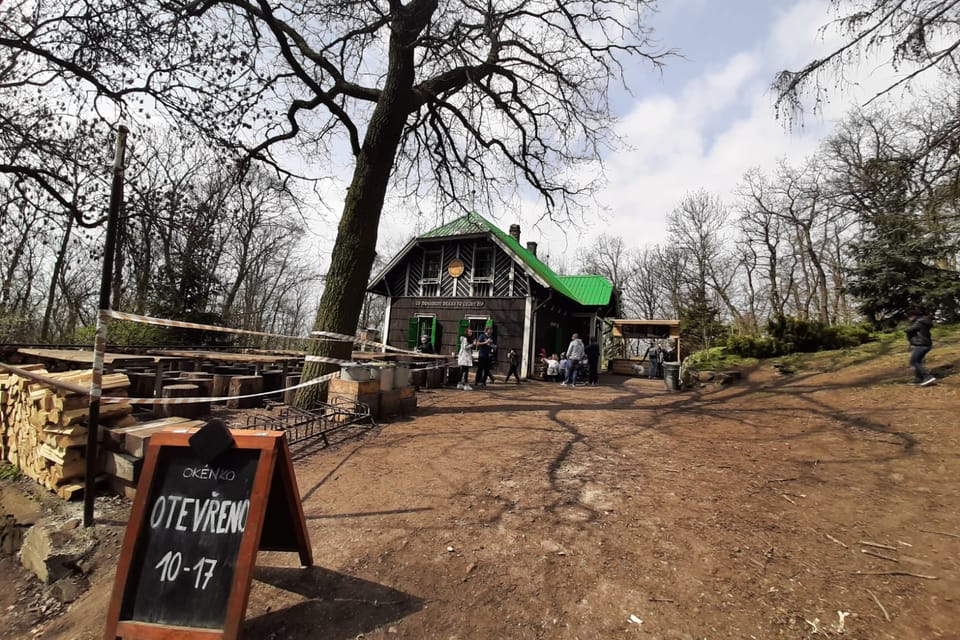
430 279
483 266
431 266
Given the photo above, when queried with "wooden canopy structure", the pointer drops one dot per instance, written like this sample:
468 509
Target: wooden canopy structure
647 330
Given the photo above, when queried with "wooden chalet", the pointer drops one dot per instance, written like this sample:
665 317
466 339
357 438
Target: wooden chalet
470 273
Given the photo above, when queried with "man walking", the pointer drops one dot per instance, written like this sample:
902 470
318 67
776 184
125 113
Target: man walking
484 352
575 354
918 335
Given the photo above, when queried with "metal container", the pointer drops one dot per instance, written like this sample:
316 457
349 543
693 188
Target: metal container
355 372
671 376
383 371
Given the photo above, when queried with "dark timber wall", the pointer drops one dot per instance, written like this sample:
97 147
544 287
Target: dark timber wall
507 315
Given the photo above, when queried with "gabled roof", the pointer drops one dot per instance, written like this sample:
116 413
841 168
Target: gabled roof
591 291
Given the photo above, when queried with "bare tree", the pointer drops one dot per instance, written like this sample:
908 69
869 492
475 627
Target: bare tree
609 257
915 36
653 287
446 97
697 227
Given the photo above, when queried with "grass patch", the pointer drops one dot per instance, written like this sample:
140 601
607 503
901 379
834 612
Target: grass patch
9 471
718 359
885 343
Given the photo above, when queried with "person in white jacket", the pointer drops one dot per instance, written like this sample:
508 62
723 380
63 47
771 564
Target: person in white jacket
575 354
465 359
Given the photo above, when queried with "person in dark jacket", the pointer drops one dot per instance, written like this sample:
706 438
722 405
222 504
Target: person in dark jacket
918 334
592 351
485 347
425 345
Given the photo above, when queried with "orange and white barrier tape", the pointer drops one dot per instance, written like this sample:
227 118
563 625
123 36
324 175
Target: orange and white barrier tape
133 317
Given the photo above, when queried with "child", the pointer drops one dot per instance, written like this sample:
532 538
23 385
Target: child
553 368
514 359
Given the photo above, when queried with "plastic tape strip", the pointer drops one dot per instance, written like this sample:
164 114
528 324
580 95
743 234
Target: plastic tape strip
113 399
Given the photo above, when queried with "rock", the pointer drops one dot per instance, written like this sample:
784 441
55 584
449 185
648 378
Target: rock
52 553
69 589
11 535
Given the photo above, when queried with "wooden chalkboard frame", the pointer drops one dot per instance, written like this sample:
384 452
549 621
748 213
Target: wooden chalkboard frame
274 470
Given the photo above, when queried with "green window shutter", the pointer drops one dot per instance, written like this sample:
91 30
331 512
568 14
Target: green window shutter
489 323
434 333
412 338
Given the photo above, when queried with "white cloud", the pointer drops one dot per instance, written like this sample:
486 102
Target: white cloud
717 126
720 124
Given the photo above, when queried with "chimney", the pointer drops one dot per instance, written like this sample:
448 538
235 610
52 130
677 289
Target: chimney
515 232
532 248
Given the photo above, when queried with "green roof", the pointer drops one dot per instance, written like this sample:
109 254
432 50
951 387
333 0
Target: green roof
589 291
592 291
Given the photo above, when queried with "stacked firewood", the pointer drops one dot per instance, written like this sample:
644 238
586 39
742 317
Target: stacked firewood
45 427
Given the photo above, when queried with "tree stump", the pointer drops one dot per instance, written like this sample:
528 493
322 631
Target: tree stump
192 410
242 386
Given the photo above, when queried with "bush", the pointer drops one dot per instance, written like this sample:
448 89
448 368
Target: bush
757 346
787 335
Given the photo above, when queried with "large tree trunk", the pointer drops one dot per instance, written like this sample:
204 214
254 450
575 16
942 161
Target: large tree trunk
356 244
350 263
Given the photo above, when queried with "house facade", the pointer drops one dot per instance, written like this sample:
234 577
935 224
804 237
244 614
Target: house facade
469 273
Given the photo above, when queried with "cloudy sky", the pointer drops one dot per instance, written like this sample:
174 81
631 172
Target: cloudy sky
702 123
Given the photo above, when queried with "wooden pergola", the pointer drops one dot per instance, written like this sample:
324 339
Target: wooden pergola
647 330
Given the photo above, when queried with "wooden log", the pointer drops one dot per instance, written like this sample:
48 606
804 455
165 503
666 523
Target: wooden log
221 385
136 440
245 385
122 465
290 395
190 410
142 384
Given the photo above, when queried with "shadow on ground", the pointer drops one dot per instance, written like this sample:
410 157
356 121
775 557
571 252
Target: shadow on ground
336 606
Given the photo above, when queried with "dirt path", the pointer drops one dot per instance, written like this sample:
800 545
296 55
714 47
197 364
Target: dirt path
536 511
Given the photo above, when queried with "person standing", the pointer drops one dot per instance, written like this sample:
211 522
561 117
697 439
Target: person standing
484 357
661 356
465 359
575 354
651 356
592 352
514 359
918 335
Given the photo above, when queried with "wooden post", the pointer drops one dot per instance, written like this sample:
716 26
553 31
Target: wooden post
100 341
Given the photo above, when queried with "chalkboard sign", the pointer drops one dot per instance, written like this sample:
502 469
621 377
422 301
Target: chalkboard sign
194 532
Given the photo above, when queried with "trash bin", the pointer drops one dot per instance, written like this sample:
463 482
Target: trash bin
671 376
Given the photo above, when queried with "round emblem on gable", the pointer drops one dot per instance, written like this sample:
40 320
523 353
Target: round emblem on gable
455 268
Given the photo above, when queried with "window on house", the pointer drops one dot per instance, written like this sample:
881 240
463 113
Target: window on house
422 326
483 273
430 280
479 325
483 266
